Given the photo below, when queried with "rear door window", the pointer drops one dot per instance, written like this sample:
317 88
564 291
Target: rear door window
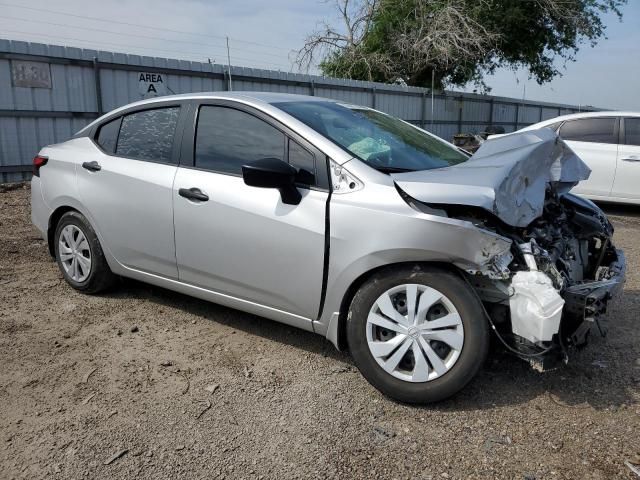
148 135
632 131
596 130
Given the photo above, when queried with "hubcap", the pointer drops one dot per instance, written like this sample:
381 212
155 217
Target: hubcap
415 333
75 254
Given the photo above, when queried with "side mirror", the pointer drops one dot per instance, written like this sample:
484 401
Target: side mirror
273 173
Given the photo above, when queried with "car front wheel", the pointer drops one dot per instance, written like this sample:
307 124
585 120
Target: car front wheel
417 334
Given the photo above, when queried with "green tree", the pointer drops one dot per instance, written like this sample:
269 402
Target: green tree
457 41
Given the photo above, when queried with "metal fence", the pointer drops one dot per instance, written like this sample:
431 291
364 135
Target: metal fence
49 92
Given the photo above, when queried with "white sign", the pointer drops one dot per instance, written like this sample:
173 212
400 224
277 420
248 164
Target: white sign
30 74
151 84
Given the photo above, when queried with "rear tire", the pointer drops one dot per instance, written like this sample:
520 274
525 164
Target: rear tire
434 295
80 256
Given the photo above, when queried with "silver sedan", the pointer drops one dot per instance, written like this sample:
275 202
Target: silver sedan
341 220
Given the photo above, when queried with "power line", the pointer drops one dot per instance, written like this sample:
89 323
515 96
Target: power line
264 45
221 47
200 56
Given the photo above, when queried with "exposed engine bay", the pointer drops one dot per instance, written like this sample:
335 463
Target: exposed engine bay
561 272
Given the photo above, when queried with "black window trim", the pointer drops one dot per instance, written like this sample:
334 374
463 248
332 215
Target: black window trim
175 147
187 153
616 130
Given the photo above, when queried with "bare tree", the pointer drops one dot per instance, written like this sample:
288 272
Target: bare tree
356 17
435 37
439 39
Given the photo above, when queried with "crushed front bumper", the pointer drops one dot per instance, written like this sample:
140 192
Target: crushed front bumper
586 303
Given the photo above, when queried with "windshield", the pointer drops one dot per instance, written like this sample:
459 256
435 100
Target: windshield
385 143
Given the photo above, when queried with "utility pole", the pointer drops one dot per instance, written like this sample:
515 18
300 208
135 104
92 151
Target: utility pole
229 65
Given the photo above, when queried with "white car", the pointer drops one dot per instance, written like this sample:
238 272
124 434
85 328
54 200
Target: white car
609 143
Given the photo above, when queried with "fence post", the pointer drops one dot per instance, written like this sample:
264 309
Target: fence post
540 118
373 92
423 119
96 76
517 115
460 107
312 88
491 112
225 80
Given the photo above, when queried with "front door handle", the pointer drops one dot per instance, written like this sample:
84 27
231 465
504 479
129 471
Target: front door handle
92 166
632 158
193 194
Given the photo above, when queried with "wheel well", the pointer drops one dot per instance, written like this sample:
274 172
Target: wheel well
53 223
358 282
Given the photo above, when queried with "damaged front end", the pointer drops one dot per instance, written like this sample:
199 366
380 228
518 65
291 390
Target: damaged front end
565 271
552 289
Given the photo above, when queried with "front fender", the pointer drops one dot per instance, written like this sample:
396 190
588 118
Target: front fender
366 235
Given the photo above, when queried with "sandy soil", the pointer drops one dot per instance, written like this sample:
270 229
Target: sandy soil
179 388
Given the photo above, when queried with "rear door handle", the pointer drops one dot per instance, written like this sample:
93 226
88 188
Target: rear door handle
193 194
632 158
92 166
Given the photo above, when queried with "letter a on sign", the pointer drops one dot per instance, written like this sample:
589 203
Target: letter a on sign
151 85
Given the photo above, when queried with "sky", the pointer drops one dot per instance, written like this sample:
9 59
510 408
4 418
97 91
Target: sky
265 33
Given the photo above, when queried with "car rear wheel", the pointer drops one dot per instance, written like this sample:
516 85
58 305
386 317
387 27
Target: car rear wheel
79 255
417 334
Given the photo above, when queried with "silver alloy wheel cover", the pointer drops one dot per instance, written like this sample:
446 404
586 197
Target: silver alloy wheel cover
75 253
413 331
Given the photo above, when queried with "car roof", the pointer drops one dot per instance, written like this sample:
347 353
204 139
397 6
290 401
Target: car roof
251 98
264 97
575 116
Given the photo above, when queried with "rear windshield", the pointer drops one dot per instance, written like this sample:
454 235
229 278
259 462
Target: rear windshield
384 142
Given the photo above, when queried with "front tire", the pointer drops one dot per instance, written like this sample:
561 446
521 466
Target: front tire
418 334
79 255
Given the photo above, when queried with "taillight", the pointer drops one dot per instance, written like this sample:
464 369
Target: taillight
39 161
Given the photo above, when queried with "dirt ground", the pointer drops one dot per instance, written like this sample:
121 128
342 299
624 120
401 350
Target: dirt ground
145 383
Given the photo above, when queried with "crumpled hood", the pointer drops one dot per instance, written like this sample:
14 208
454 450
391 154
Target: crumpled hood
507 176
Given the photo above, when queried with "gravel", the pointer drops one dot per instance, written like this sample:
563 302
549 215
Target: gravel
119 386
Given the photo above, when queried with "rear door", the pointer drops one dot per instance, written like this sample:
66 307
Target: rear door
595 141
125 184
627 181
243 241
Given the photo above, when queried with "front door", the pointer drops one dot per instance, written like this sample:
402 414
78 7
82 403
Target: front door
243 241
125 185
595 141
627 182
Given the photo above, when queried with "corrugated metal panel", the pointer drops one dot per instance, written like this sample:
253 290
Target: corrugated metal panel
74 89
476 111
528 115
548 113
503 112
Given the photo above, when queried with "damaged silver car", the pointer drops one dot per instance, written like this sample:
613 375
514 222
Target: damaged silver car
340 220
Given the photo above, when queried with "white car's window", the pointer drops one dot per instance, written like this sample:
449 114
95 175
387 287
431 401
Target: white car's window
227 138
148 135
385 143
632 131
597 130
